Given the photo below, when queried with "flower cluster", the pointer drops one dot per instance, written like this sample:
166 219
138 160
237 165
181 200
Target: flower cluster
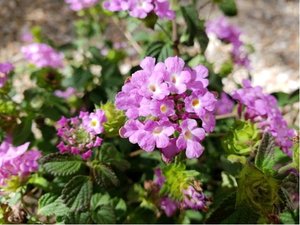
16 161
162 102
5 69
80 134
77 5
141 8
263 109
231 34
224 105
42 55
192 198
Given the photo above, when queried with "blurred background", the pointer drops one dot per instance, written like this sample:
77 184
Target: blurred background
270 26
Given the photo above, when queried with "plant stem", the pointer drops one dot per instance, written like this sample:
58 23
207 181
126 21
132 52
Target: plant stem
164 30
175 38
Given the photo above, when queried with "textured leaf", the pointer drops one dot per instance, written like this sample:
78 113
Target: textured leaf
268 156
61 165
222 210
78 218
154 49
242 215
104 175
77 193
104 215
50 204
110 155
166 52
289 217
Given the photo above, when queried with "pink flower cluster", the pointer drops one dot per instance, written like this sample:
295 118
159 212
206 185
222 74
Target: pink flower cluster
231 34
77 5
192 198
16 161
5 69
224 105
141 8
42 55
80 134
263 109
163 102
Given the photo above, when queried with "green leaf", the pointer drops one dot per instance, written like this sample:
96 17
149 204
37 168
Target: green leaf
222 210
50 204
268 156
287 99
195 27
228 7
22 132
289 217
110 155
104 175
242 215
77 193
99 200
78 218
61 164
104 215
166 52
159 50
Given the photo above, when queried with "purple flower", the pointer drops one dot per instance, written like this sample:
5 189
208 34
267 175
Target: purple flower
169 206
159 177
263 109
79 135
155 134
190 138
42 55
16 161
178 77
5 69
141 8
78 5
70 91
161 95
200 102
93 122
224 105
230 34
194 199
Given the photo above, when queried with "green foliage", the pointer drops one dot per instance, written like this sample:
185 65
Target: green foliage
177 180
195 27
22 132
257 190
268 156
50 204
104 175
228 7
242 138
77 193
61 165
159 50
102 209
115 119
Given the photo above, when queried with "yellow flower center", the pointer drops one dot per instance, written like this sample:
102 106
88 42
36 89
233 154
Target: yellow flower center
188 135
163 108
196 103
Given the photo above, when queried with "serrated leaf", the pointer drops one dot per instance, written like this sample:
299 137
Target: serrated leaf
222 210
99 200
77 193
165 52
78 218
104 175
110 155
268 155
61 165
50 204
104 215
